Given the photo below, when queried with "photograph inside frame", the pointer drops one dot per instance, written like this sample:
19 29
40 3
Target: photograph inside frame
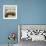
32 32
9 11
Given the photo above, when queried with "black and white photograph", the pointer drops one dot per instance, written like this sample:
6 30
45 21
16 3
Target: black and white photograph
31 34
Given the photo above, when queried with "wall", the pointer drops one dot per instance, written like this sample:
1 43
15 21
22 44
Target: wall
33 12
29 12
7 26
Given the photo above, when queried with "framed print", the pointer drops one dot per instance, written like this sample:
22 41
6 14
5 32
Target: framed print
32 32
9 11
